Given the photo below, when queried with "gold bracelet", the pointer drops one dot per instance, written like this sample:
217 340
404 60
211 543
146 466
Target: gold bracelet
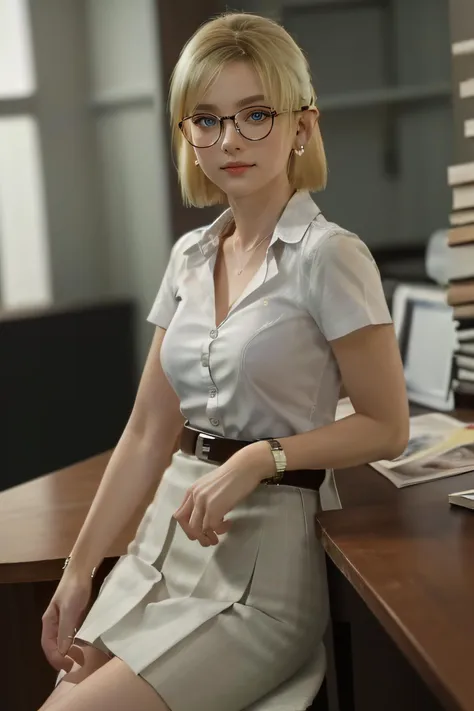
68 560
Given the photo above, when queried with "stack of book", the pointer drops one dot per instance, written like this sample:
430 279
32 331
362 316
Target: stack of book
461 273
461 180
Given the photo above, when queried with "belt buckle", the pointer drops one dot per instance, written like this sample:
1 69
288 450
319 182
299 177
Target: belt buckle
203 448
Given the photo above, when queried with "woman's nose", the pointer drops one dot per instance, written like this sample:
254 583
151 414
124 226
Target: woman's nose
230 135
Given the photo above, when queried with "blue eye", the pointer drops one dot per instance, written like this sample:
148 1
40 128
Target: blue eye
199 119
257 116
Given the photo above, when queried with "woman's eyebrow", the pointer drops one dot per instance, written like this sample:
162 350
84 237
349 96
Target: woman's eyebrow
242 102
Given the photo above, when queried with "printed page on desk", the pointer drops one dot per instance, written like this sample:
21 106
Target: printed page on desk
439 446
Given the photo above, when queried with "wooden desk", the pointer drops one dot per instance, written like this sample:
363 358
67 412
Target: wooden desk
401 572
409 560
39 523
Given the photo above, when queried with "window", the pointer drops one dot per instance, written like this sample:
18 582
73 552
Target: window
25 278
24 263
16 63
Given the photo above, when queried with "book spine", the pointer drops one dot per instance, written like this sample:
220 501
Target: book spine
464 311
461 218
461 235
461 293
463 197
460 174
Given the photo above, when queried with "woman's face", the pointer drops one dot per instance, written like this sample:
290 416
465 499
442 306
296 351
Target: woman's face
238 86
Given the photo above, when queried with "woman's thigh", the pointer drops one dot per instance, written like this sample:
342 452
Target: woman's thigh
112 687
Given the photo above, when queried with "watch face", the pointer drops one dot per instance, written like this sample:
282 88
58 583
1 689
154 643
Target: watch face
280 460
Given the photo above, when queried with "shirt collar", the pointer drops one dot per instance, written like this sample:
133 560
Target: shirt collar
298 214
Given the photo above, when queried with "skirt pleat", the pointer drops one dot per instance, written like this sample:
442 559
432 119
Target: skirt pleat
229 627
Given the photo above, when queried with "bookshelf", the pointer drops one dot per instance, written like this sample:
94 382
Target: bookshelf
381 71
386 96
460 177
462 69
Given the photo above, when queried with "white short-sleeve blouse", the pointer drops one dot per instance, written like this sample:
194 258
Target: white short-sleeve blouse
268 369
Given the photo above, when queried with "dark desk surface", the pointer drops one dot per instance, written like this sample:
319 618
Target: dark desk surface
410 556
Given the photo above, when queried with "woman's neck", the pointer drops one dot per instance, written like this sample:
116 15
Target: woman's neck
255 216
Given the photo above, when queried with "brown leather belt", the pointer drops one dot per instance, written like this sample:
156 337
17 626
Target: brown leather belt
217 450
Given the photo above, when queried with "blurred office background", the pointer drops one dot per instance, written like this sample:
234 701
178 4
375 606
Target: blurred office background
89 202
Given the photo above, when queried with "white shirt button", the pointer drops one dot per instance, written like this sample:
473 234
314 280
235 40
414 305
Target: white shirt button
205 360
214 422
213 333
212 392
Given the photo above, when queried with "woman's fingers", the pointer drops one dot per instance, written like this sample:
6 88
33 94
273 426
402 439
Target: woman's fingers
197 515
66 630
223 527
183 516
190 516
49 639
76 654
197 519
205 536
211 537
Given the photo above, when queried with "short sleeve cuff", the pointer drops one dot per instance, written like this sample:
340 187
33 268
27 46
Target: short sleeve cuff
346 291
166 301
161 313
372 315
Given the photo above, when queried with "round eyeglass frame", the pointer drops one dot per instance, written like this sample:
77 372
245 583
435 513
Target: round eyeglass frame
221 120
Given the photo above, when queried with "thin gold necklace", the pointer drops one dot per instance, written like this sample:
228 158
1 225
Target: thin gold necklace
241 266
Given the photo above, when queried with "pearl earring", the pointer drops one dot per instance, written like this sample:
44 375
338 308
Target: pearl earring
300 152
196 162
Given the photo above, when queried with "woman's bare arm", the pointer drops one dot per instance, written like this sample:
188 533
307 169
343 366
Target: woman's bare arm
372 372
137 463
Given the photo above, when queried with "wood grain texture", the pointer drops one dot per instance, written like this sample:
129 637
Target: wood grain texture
40 521
409 556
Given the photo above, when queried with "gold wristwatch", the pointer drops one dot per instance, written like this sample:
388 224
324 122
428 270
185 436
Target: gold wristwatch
280 459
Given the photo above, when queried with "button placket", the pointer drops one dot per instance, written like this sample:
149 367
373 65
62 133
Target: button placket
212 410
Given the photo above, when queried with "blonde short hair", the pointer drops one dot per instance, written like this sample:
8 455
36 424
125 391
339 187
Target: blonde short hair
285 76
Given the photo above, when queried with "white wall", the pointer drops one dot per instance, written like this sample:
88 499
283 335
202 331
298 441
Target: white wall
128 111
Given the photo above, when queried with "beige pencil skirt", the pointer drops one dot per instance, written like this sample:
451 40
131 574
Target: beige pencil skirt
225 628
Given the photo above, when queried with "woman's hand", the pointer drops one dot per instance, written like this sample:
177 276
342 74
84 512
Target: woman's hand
63 616
210 498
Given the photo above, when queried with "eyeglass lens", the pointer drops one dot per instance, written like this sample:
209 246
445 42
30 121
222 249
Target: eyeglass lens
203 130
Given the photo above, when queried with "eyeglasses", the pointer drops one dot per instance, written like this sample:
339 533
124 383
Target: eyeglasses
203 130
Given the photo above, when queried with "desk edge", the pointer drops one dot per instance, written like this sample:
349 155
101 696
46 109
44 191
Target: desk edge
392 625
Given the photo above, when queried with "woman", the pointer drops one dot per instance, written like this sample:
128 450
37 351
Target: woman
220 600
